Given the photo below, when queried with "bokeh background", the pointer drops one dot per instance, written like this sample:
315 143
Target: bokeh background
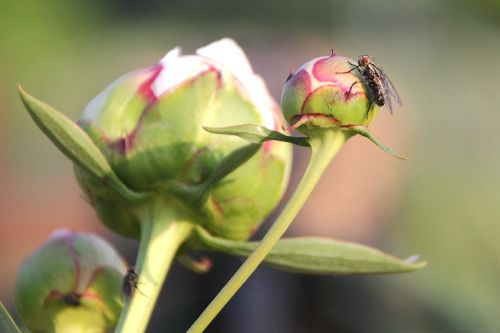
442 203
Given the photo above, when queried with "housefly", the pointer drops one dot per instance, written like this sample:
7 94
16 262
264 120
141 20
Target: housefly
129 284
377 80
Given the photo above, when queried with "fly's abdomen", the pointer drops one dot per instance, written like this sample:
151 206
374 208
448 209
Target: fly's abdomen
376 86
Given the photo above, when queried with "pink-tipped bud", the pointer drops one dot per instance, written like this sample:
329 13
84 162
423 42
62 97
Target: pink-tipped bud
71 284
327 91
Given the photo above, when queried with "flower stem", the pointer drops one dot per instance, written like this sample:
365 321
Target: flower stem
324 146
162 233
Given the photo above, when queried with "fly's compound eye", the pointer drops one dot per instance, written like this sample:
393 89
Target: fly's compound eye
364 60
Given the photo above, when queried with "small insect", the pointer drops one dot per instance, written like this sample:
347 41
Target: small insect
377 79
72 299
130 281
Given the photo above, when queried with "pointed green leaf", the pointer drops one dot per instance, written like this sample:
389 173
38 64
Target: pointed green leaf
228 164
73 142
257 134
316 255
7 324
198 194
362 130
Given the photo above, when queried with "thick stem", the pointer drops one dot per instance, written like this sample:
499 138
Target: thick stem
324 145
162 233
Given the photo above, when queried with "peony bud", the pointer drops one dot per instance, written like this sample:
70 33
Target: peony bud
71 284
149 124
324 93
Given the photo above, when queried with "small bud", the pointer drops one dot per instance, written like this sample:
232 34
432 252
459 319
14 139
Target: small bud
149 125
326 92
71 284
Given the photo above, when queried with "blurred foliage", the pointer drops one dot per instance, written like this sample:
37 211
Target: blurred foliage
282 14
440 55
483 9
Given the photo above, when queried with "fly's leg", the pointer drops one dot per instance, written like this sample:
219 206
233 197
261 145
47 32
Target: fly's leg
352 85
350 63
369 107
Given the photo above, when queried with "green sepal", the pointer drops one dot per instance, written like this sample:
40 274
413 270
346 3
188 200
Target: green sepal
257 134
315 255
75 144
228 164
7 324
198 194
363 131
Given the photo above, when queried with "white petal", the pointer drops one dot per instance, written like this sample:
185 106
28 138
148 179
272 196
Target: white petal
177 70
258 93
227 53
171 55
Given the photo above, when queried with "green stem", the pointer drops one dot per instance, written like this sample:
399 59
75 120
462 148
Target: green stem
162 233
324 145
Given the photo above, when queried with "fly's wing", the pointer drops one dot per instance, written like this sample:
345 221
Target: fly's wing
389 87
388 99
389 90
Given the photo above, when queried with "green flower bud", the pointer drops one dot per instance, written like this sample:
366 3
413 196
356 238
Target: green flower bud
71 284
325 92
149 125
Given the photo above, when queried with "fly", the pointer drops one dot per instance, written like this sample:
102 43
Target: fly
377 80
130 281
72 299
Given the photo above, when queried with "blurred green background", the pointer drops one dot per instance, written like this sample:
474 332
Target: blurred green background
443 202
